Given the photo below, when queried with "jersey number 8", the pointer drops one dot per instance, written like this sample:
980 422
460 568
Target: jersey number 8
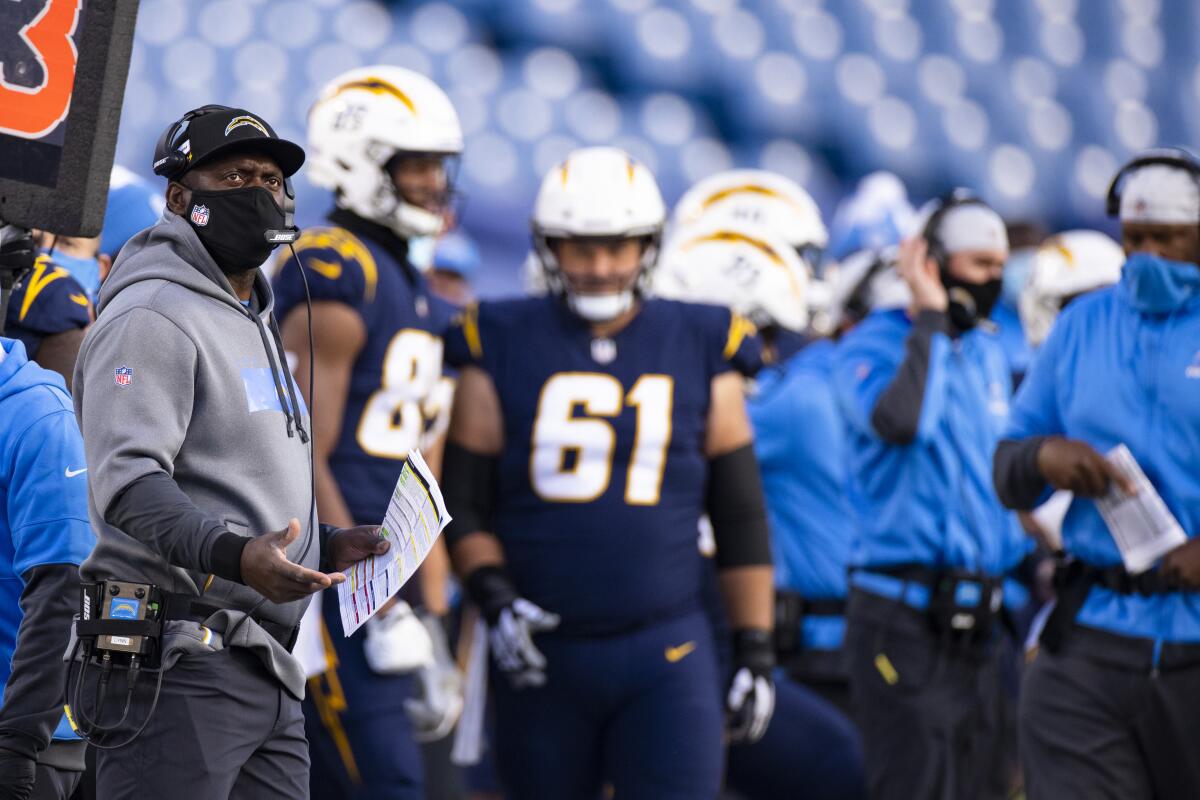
393 419
572 455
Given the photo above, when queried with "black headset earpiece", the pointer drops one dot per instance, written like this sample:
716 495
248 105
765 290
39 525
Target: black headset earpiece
169 161
1168 156
857 304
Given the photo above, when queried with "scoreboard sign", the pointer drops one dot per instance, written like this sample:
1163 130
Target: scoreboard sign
63 65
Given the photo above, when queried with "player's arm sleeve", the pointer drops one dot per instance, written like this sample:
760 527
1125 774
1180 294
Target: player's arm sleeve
1033 418
133 432
47 514
738 511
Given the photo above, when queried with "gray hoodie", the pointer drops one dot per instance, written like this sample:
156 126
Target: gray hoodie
178 377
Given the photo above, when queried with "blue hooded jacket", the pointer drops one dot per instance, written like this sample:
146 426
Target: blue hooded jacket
43 487
1109 374
800 442
928 500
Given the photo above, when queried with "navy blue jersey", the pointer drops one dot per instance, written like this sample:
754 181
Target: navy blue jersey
603 472
47 301
396 384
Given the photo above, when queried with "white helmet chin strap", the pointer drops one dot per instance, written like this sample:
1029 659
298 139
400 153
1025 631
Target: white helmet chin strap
600 307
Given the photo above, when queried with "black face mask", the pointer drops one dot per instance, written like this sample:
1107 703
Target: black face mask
970 302
232 225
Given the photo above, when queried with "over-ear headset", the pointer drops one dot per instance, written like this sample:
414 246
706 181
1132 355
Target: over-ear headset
1168 156
932 232
169 161
858 304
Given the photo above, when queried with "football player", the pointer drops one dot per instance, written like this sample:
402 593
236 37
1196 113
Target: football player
811 748
592 427
49 312
383 139
1065 266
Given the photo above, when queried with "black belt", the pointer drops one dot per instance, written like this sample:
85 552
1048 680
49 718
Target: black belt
962 603
810 606
790 610
198 609
1074 580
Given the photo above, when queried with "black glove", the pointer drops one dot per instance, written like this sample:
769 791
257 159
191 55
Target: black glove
512 621
750 700
17 773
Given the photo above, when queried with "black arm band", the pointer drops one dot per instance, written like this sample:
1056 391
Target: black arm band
469 483
737 510
491 589
755 649
1015 473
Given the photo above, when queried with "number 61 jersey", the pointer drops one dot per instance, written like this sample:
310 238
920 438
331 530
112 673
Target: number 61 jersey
603 473
397 392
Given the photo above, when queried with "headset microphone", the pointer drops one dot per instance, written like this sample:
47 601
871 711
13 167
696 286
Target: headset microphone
289 232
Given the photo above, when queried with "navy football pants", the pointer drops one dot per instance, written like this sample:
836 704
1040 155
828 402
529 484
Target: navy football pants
636 711
810 750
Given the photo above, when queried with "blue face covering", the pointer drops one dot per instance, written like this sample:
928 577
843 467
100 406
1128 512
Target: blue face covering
1157 285
84 270
1016 275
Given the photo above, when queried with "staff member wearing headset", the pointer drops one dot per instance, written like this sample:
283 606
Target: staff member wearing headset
925 391
198 454
1109 707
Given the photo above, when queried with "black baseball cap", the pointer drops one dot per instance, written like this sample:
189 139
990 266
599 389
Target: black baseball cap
207 132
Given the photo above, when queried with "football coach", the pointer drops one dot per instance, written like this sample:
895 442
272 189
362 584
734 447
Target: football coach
200 472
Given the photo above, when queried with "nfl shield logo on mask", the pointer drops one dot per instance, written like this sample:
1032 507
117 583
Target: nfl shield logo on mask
124 376
200 215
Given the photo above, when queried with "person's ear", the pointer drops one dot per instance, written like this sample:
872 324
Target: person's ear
178 197
105 262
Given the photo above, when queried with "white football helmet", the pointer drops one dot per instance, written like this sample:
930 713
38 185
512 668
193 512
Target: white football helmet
1067 264
363 118
740 197
766 200
748 269
597 192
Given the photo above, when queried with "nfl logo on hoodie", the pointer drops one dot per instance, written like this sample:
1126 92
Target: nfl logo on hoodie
200 215
124 376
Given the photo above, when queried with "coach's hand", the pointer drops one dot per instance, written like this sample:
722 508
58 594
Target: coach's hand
17 774
350 545
1182 564
921 274
750 701
267 570
1075 466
